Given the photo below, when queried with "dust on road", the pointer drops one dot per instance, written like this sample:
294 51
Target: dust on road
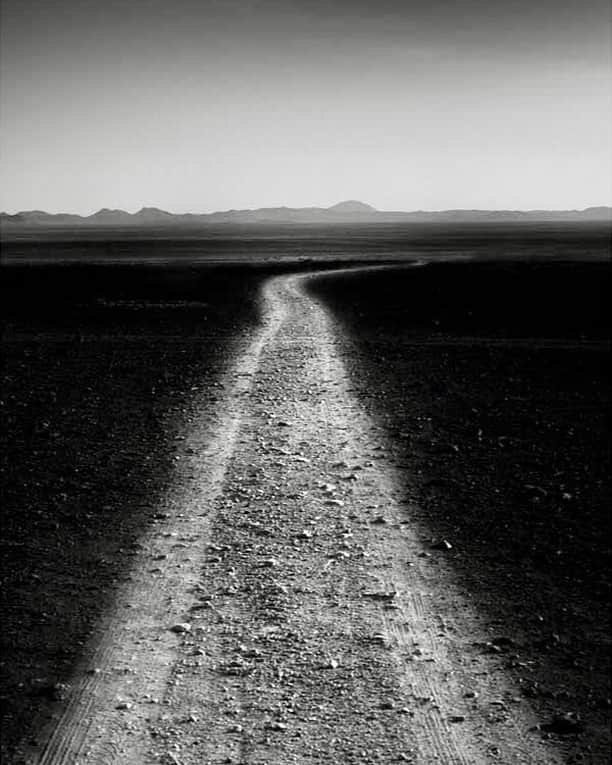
287 608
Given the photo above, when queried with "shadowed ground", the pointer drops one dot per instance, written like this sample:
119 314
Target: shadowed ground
287 608
99 367
499 447
492 386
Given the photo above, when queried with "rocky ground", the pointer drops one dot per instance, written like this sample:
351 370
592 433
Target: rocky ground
350 553
497 395
99 368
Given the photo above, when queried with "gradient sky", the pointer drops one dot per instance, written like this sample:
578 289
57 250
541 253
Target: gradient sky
200 105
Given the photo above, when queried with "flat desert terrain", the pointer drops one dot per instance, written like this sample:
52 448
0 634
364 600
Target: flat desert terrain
307 511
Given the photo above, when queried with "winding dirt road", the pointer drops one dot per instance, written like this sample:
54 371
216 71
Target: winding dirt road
285 607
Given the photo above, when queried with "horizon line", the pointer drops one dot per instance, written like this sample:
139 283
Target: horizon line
372 209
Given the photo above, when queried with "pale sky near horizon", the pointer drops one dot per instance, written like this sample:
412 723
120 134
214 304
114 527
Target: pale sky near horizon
201 105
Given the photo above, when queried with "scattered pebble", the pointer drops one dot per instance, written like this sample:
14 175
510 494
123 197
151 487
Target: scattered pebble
332 664
564 724
181 627
443 545
275 726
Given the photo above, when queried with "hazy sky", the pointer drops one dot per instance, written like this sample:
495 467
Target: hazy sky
198 105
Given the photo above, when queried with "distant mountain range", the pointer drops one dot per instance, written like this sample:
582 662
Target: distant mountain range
345 212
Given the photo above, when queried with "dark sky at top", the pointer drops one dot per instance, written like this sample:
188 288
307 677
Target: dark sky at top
206 104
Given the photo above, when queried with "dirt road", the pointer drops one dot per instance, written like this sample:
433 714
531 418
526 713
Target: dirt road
286 608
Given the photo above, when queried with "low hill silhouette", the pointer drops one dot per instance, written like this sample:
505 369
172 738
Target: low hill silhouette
349 211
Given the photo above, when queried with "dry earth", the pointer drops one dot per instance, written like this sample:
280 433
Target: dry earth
288 607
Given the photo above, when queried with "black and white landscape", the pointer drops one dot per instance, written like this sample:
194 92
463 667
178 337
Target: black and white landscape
305 481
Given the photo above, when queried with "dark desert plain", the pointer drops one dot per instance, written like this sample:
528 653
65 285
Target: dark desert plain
467 364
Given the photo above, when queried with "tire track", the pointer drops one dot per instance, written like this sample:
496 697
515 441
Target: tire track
128 661
307 582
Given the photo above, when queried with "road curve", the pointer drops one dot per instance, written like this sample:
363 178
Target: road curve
309 626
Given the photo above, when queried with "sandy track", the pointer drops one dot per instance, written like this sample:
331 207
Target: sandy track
321 627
